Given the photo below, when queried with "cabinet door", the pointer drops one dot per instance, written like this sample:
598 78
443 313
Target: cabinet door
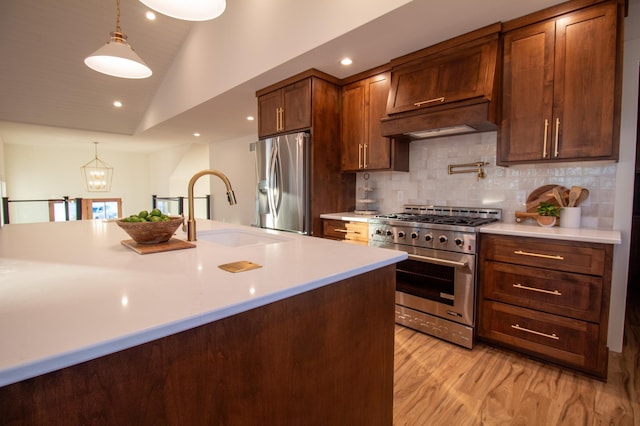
457 74
559 89
353 126
584 84
378 148
296 100
268 113
527 93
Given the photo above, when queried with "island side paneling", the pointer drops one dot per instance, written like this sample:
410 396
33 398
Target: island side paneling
321 357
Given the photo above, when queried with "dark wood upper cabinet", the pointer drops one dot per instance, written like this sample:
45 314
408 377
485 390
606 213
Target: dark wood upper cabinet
285 110
363 146
561 88
456 70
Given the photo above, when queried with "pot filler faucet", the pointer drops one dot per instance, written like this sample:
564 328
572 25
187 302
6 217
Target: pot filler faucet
231 197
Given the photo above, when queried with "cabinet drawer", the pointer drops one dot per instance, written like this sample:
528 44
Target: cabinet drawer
357 232
552 337
343 230
562 293
556 255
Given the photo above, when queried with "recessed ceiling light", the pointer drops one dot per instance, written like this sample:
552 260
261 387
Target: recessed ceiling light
346 61
150 15
196 134
250 118
117 104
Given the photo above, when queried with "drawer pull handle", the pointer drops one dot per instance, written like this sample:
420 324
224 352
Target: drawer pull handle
539 290
440 99
544 140
347 231
550 336
545 256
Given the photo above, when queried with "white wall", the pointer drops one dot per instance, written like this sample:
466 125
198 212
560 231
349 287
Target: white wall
234 160
42 172
625 174
3 190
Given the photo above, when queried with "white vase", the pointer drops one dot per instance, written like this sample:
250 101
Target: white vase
570 217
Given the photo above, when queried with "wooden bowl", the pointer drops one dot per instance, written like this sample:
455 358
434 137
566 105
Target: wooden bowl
151 232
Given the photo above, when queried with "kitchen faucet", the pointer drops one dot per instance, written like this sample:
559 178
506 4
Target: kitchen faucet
231 197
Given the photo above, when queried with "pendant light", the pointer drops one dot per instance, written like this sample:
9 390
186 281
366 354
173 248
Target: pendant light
117 58
97 174
188 10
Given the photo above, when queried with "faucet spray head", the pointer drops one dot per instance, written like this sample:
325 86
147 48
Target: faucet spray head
231 198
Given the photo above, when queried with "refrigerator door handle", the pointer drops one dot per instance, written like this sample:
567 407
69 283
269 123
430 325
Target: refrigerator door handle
275 175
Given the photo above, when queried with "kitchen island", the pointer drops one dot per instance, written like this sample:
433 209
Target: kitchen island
93 332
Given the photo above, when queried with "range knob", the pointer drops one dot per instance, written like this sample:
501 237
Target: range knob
428 237
459 241
378 231
443 239
389 233
414 235
401 234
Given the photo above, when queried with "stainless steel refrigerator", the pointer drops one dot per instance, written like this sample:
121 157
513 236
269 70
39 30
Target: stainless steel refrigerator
282 191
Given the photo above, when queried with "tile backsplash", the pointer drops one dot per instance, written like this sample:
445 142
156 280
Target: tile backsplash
429 182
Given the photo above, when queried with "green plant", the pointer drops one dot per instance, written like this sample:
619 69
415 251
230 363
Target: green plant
548 209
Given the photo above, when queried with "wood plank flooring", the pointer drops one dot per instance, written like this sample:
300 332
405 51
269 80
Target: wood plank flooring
438 383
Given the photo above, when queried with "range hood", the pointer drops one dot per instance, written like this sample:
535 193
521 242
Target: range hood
454 119
450 88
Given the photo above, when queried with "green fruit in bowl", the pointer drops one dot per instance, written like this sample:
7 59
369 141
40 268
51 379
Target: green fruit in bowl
145 216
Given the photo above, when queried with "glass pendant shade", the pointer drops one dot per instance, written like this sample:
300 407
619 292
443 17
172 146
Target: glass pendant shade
118 59
97 175
188 10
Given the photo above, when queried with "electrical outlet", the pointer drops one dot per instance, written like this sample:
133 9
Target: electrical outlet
400 195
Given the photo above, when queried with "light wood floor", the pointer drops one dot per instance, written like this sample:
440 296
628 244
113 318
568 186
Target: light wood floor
438 383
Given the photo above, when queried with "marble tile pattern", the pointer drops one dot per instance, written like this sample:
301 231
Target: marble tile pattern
428 181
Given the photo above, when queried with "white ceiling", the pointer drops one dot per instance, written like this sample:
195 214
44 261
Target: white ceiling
48 95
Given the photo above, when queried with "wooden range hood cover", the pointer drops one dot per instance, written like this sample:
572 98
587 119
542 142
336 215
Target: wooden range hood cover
454 120
459 75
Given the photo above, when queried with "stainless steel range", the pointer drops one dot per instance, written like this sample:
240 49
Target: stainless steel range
436 286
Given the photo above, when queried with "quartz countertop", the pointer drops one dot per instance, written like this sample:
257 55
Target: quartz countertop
347 216
554 232
71 291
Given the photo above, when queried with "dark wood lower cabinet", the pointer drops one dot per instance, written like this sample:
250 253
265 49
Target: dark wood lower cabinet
324 357
548 299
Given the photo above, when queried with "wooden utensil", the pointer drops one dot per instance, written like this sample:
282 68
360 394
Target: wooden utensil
573 195
584 194
558 196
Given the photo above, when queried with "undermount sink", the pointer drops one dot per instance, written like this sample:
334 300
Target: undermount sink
239 238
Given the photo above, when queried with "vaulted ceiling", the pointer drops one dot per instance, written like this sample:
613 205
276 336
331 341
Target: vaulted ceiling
48 95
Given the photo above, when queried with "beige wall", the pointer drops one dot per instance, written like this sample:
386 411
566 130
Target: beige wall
42 172
234 160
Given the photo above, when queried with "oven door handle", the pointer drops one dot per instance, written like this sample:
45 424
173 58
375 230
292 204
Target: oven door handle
437 261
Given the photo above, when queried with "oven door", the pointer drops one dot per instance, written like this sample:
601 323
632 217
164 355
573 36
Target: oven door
437 282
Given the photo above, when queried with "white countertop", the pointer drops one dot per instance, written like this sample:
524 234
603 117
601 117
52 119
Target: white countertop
518 230
347 216
71 291
554 232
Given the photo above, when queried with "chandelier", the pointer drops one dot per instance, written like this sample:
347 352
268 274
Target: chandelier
97 174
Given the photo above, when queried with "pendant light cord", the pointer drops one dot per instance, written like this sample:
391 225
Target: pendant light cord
118 16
